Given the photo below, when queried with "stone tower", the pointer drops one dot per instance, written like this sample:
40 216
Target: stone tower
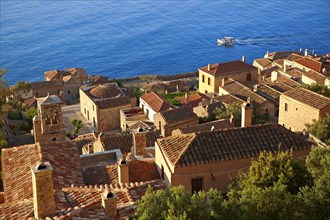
48 125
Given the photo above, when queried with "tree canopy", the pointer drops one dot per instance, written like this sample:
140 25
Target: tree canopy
321 128
275 187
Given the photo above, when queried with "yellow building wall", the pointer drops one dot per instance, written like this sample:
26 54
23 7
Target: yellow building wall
297 114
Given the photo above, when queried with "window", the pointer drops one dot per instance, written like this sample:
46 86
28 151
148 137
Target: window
69 92
54 139
196 185
266 110
248 77
205 91
286 107
37 94
85 111
93 108
160 126
203 78
208 81
162 174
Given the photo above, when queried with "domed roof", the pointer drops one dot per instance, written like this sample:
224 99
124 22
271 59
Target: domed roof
106 91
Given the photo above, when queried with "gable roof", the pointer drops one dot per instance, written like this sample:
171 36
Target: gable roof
318 77
264 62
16 162
242 92
310 63
308 97
228 67
280 55
84 202
217 125
268 91
229 99
193 99
156 101
124 141
178 115
50 99
229 144
46 84
139 171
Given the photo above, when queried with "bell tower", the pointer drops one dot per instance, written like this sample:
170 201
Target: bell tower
48 125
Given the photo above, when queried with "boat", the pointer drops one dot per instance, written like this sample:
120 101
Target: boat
227 41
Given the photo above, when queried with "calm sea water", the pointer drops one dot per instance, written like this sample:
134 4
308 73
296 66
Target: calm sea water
128 38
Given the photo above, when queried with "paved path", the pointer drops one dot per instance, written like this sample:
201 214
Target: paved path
71 112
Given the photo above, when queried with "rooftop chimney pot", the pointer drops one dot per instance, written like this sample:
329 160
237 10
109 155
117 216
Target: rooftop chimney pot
208 67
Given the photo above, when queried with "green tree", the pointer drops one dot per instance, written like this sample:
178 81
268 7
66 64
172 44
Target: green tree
321 128
226 112
29 115
77 125
280 169
173 203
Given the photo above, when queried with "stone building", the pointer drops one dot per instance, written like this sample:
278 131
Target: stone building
100 105
43 88
301 106
211 76
152 103
48 124
169 120
224 153
262 106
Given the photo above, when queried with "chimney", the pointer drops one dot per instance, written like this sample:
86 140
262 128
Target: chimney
109 203
300 51
243 59
255 87
139 142
186 99
223 81
208 67
274 76
306 52
123 171
267 55
232 120
285 67
177 88
247 110
313 52
43 193
212 128
324 71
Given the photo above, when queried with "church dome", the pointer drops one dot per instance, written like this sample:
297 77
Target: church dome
106 91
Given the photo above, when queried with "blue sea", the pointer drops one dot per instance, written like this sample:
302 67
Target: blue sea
129 38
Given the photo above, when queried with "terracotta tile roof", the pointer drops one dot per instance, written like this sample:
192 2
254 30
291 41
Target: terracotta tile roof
268 91
294 73
17 210
294 57
193 99
78 73
279 62
287 81
310 63
178 115
111 103
157 102
280 87
172 86
264 62
54 74
318 77
228 67
229 144
105 91
139 171
84 202
100 80
308 97
242 92
217 125
230 99
16 162
46 84
154 87
30 102
141 124
124 141
281 55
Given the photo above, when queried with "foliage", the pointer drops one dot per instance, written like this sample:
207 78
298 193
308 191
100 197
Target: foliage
321 89
173 203
29 115
172 97
321 128
138 93
22 85
275 187
231 109
77 125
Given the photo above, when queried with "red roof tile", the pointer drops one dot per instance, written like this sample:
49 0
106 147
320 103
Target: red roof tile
308 97
139 171
229 144
228 67
264 62
16 162
156 101
178 115
193 99
310 63
318 77
216 125
230 99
